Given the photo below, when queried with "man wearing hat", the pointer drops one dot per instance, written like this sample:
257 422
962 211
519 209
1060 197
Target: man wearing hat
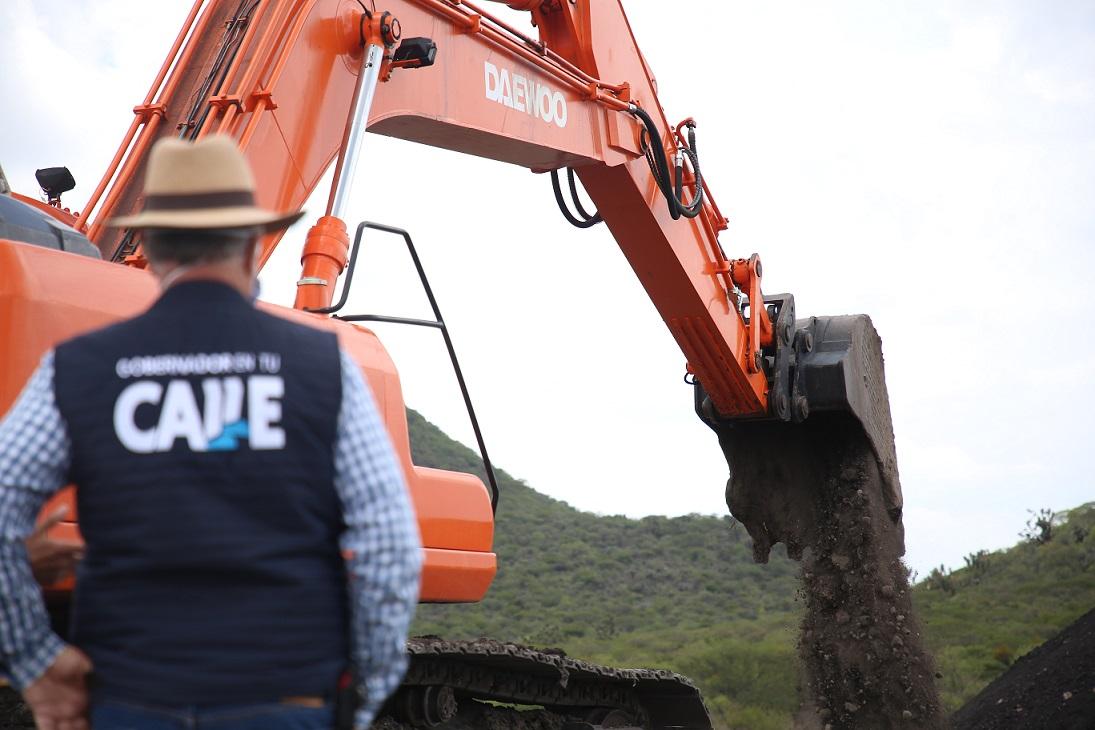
248 533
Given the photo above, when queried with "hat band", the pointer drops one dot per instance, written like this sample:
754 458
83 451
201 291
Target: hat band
192 201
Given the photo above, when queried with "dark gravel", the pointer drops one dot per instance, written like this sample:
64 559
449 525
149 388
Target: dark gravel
1051 687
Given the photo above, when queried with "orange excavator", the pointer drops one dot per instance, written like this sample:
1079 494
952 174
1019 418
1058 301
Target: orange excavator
297 83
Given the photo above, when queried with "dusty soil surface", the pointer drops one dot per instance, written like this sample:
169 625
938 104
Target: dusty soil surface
1051 687
817 488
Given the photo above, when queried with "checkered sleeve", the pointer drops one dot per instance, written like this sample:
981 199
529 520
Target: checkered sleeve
381 540
34 459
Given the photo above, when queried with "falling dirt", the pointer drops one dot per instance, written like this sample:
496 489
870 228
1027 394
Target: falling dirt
817 487
860 642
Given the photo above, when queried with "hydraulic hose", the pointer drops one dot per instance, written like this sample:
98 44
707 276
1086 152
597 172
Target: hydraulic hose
672 187
583 219
671 183
577 199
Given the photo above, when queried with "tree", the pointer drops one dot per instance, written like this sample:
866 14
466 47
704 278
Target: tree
977 563
1039 529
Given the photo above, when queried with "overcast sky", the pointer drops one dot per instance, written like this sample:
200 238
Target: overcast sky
930 163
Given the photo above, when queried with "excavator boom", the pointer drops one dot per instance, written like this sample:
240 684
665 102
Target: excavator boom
282 79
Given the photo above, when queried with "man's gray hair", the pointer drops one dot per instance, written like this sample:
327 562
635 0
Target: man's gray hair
195 246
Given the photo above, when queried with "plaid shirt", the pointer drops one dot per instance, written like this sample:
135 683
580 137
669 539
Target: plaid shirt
381 534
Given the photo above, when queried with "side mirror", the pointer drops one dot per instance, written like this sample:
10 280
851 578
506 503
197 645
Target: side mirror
55 181
415 53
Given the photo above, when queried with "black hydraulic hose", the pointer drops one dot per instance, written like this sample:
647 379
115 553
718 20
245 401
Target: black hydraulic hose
692 209
670 185
230 45
577 199
583 219
655 156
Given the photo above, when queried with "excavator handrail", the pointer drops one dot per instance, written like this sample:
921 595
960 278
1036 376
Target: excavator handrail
438 322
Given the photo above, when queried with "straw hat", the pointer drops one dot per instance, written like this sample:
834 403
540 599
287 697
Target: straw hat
201 185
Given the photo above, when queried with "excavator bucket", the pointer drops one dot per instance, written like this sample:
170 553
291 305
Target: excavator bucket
830 426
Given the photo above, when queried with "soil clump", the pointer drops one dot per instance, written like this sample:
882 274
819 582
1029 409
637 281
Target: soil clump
1051 687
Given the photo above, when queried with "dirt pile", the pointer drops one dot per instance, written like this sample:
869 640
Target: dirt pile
1051 687
817 487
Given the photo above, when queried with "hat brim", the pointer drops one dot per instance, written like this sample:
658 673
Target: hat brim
209 219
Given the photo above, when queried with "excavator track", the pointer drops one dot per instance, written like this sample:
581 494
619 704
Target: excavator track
458 684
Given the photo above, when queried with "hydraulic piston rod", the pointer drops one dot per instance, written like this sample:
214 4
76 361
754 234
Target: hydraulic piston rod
326 249
353 139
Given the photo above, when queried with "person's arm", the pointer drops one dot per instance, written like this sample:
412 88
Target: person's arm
52 560
34 458
382 541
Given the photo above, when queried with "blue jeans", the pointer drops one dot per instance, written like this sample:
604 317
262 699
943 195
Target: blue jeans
109 714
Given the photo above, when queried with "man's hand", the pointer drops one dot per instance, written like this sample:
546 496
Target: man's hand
58 698
52 560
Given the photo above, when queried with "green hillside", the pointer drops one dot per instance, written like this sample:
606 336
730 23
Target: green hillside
1001 605
565 574
683 593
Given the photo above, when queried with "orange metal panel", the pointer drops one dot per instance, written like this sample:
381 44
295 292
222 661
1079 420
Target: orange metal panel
456 576
47 296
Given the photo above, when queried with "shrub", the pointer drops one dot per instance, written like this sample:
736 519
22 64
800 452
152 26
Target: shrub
1039 529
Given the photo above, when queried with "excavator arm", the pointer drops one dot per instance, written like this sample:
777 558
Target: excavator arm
297 82
284 76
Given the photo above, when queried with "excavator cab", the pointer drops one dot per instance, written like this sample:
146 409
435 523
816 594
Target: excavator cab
23 222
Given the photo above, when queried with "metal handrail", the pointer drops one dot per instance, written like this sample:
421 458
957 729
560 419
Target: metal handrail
437 322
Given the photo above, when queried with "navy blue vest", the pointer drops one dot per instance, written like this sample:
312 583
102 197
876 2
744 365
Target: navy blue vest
202 449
